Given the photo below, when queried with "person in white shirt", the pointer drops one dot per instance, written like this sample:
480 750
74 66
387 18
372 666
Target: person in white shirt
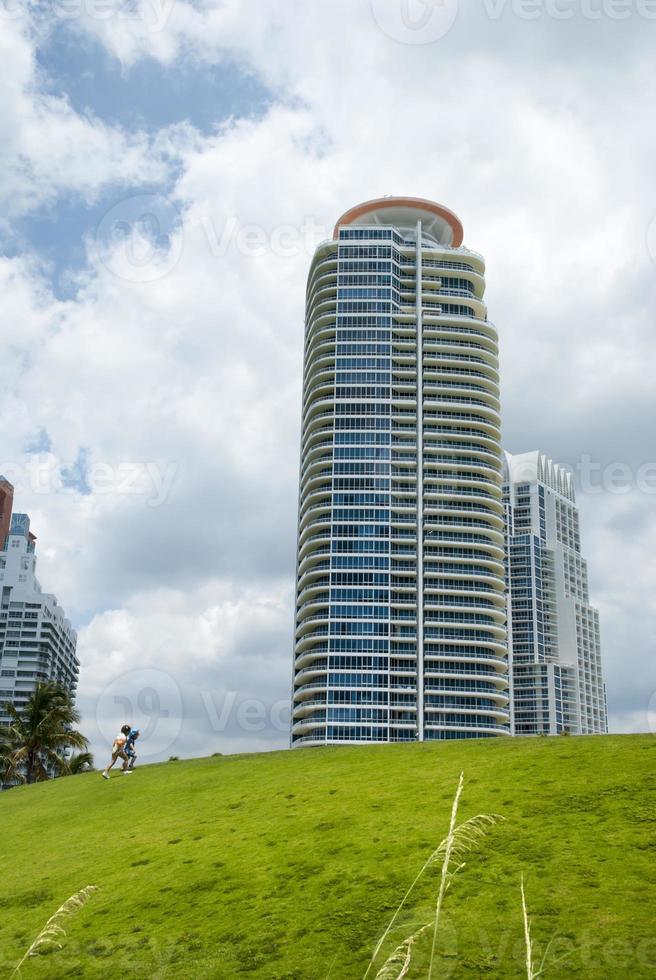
118 752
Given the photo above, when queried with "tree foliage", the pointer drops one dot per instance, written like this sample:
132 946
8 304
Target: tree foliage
33 745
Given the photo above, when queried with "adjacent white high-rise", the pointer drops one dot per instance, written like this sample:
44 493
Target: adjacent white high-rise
400 609
556 659
37 642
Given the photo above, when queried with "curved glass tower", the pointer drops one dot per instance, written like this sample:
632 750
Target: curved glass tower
400 607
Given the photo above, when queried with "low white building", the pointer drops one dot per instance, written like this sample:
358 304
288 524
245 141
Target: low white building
37 642
554 644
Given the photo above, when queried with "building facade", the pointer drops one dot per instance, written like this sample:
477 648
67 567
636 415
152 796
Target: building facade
557 683
37 642
400 630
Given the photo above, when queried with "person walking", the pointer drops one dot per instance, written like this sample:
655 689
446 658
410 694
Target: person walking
118 752
130 749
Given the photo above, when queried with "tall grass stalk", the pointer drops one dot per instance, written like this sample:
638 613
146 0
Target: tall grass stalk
530 971
444 877
458 841
53 930
400 958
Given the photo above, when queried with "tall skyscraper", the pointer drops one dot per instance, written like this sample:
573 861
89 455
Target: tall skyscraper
556 657
36 640
400 606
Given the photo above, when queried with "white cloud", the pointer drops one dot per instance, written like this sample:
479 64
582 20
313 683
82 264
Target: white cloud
172 664
48 148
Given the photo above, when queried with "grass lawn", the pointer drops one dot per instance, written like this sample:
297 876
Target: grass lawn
288 865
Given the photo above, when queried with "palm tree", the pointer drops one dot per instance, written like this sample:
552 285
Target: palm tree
33 745
80 762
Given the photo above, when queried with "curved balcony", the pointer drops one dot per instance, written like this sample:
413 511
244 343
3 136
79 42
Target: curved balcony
454 347
311 527
312 741
307 543
462 389
311 721
313 702
309 626
315 641
325 253
313 656
461 450
312 672
315 480
446 662
470 690
322 450
475 729
321 331
316 434
317 560
459 401
485 531
308 509
461 499
475 600
451 706
478 467
315 388
437 363
320 279
311 610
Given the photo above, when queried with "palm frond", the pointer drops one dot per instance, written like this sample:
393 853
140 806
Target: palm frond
54 930
80 762
37 737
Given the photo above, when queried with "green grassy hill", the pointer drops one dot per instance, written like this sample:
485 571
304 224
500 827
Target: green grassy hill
288 866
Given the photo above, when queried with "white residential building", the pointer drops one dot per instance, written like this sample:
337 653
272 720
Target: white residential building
400 630
557 683
37 642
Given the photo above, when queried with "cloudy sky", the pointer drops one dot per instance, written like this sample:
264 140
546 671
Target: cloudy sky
167 167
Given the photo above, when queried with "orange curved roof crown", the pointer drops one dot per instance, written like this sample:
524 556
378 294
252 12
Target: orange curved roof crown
438 221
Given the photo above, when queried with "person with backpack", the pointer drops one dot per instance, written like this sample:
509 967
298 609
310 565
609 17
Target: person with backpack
129 747
118 752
